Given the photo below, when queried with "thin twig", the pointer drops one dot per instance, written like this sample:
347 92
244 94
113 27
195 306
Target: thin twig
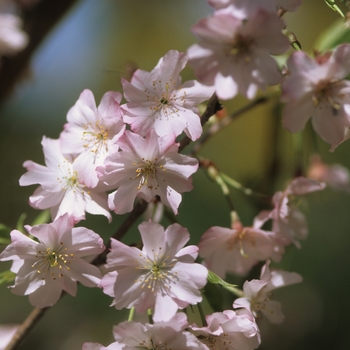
215 128
212 107
24 329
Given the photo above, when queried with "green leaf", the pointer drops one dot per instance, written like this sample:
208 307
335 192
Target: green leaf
334 7
215 279
7 277
20 223
4 234
42 218
334 35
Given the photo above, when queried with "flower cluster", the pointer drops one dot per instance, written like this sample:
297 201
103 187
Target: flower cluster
126 150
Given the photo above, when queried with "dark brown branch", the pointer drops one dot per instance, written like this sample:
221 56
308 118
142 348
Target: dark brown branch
38 21
212 107
215 128
138 210
32 319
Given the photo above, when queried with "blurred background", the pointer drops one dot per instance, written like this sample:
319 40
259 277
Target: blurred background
92 46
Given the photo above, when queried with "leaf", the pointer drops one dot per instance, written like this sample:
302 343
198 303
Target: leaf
7 277
334 7
42 218
215 279
20 223
334 35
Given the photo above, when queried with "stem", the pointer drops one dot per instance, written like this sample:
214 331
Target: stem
131 314
212 107
139 208
32 319
202 315
38 21
215 128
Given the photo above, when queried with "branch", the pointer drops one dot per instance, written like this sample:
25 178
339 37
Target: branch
38 21
24 329
212 107
215 128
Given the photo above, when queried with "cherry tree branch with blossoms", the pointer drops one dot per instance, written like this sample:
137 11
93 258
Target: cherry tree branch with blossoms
125 156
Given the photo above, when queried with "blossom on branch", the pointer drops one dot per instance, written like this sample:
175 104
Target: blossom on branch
61 187
287 220
316 89
53 263
158 336
93 132
162 275
147 167
233 330
335 176
257 293
157 99
234 54
12 38
238 249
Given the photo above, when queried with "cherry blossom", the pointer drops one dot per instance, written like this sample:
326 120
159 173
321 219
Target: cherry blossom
53 263
234 54
287 220
7 331
61 187
12 38
158 100
335 176
158 336
162 275
316 89
238 249
257 293
229 330
147 167
93 132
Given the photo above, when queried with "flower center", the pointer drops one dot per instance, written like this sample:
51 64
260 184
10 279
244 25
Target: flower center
214 342
70 179
165 98
158 275
323 93
146 172
51 262
95 137
239 48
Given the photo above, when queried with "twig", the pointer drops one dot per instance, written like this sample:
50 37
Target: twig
215 128
24 329
212 107
38 21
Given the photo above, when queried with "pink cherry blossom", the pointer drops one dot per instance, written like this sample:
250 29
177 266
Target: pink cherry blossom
6 333
61 187
316 89
162 275
287 220
229 330
157 99
238 249
12 38
147 167
53 263
336 175
158 336
234 54
93 132
257 293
